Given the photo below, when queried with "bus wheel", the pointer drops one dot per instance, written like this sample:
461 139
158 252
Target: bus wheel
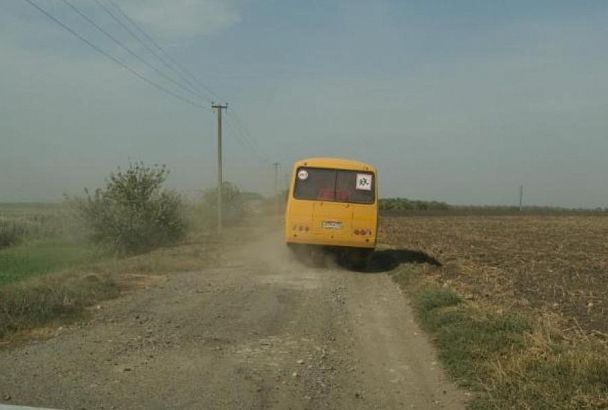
358 259
317 256
300 252
308 255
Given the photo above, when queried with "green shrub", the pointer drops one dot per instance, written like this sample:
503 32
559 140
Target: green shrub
133 213
232 204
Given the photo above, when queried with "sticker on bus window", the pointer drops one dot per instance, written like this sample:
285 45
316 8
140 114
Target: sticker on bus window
303 174
364 182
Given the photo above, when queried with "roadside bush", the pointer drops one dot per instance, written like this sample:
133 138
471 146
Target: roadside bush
133 213
232 204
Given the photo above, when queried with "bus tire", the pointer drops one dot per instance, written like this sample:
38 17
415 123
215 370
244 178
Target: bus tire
358 259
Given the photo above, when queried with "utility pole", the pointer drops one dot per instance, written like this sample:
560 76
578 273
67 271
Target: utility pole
521 197
276 186
219 108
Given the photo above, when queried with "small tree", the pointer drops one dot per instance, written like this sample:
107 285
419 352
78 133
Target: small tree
133 213
232 203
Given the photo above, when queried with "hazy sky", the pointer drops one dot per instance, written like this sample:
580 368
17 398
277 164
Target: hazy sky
460 101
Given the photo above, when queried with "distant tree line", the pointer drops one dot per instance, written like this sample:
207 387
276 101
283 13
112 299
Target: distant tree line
405 206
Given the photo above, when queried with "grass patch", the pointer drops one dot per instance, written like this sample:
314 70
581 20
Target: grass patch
31 298
41 248
467 338
41 272
43 256
182 258
576 378
510 360
31 303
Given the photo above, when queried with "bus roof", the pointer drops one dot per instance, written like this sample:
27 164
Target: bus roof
337 163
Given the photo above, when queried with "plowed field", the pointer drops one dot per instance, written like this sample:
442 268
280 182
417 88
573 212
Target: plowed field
556 264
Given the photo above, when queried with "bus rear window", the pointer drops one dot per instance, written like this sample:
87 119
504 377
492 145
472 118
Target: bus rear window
320 184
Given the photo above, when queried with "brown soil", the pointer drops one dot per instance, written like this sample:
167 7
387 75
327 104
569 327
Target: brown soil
552 264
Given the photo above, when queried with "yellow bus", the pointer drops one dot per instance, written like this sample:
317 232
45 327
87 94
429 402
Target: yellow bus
333 205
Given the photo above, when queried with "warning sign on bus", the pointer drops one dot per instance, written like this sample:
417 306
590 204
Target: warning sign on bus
364 182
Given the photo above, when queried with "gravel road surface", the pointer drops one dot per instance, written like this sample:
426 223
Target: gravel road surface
260 331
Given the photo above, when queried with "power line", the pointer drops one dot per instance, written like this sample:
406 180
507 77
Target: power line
240 130
241 125
166 54
146 46
244 141
241 138
111 57
127 49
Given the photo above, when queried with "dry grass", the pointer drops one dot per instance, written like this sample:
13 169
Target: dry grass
54 275
180 258
57 297
35 302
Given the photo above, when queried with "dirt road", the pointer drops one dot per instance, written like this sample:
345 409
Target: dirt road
261 331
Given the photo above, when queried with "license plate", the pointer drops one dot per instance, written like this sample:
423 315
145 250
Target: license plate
331 225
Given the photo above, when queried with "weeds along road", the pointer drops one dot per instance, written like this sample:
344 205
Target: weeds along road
260 331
